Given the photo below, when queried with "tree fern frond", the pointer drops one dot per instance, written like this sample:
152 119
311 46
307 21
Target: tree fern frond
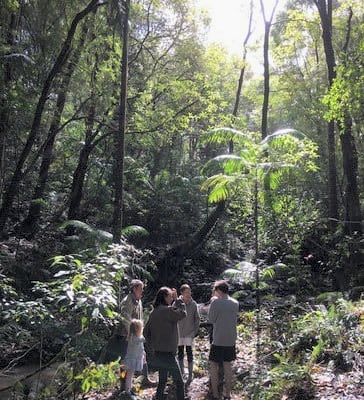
223 135
88 229
134 231
74 223
283 133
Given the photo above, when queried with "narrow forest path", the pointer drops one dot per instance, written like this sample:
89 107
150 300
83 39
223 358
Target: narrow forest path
327 384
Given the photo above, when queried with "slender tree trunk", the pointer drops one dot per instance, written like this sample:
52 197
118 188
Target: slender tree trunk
29 225
119 137
325 11
267 27
242 71
4 98
78 182
34 130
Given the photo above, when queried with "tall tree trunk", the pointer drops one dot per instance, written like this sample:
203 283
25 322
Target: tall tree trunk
34 130
80 172
29 225
4 102
119 136
267 27
242 71
78 182
325 11
353 216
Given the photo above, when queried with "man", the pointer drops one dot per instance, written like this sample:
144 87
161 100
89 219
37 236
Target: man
130 308
223 313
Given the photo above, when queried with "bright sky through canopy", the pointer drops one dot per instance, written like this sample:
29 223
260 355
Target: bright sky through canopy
229 21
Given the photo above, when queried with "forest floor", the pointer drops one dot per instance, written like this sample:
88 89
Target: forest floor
327 384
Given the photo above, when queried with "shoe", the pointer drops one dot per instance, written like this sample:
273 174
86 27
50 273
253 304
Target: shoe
129 395
147 383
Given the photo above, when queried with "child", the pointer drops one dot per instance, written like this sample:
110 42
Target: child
135 355
187 330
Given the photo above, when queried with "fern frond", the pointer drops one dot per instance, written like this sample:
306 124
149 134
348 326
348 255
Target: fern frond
134 231
223 135
283 133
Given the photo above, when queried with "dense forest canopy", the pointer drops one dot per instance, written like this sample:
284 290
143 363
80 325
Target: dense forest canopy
119 124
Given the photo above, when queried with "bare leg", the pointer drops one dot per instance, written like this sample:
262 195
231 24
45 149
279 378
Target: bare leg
128 380
228 375
214 376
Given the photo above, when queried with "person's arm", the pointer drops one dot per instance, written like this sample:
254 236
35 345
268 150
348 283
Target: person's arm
177 310
196 318
212 314
126 311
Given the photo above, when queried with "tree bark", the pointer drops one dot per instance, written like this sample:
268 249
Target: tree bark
267 27
34 130
29 225
353 220
169 266
119 136
325 11
4 99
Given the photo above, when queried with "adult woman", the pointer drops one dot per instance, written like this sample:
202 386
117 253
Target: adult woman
161 333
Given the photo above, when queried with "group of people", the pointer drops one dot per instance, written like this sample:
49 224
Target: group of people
169 333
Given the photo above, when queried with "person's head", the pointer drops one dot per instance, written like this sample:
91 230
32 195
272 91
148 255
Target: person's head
137 287
164 297
135 328
186 293
220 288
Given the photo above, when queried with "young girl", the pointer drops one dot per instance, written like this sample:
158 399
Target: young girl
135 355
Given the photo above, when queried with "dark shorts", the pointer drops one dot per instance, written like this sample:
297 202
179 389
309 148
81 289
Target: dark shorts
222 353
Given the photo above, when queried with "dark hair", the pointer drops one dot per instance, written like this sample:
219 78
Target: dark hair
221 285
160 298
184 287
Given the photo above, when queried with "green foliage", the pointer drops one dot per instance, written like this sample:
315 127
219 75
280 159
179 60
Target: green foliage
328 334
274 157
98 376
90 289
285 377
307 337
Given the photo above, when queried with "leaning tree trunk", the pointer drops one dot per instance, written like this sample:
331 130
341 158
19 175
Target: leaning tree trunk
34 130
29 225
170 264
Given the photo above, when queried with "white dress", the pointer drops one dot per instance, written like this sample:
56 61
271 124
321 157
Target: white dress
134 359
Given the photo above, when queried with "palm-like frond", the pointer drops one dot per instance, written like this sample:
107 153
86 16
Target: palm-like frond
87 229
221 186
228 163
282 133
224 135
134 231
